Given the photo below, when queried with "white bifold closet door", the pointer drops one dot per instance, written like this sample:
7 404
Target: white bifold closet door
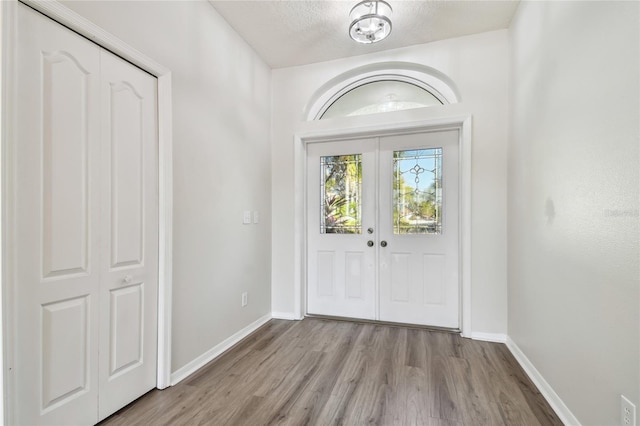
86 228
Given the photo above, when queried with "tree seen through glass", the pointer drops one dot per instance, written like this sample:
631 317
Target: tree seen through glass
340 204
417 191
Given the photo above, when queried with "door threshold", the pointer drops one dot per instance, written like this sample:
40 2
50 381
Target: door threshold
387 323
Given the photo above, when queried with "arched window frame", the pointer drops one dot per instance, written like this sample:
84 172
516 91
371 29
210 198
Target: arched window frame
427 78
376 79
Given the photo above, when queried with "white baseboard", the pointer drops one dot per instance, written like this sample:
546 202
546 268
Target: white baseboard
489 337
543 386
216 351
284 315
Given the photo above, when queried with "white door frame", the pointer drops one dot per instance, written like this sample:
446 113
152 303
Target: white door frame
302 139
8 46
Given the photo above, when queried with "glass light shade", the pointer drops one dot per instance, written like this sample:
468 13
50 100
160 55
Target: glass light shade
370 21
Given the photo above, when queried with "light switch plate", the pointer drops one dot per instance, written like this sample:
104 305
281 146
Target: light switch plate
627 412
256 217
246 218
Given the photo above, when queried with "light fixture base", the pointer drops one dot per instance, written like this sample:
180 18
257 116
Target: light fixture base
370 21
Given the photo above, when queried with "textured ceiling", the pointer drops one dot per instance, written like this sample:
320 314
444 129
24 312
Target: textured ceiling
288 33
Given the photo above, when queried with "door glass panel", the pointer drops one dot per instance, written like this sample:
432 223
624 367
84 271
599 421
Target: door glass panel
340 204
417 191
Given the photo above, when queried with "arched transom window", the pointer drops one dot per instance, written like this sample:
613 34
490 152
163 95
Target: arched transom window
380 96
381 87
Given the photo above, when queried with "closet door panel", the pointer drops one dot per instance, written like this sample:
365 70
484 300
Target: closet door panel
65 165
126 172
85 210
128 293
56 224
127 322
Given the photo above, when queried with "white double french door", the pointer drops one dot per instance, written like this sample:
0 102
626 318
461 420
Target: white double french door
382 228
86 228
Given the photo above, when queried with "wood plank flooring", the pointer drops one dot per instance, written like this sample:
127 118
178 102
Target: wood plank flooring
326 372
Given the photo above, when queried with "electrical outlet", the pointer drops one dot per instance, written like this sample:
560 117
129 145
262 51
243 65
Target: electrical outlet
627 412
245 299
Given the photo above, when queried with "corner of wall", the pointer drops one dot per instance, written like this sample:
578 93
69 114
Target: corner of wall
543 386
213 353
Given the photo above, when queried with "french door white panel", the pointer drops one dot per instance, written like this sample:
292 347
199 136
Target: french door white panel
128 297
409 274
419 282
57 255
341 266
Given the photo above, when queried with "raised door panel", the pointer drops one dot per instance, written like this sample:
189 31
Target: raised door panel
354 269
400 277
127 171
65 351
126 329
56 224
65 163
129 285
433 280
325 274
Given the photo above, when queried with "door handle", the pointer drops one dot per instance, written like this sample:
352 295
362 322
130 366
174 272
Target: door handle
370 243
383 243
127 279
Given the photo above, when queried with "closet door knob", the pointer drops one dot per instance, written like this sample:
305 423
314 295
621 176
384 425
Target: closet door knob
370 243
127 279
383 243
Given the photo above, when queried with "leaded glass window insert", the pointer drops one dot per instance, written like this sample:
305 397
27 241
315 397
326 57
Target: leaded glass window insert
417 191
341 203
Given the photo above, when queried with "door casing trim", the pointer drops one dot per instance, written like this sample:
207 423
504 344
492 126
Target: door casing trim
302 139
8 74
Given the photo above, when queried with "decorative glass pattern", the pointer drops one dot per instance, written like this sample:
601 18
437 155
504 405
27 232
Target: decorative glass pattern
417 191
340 204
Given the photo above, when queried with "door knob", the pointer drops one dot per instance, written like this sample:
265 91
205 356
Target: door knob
370 243
370 230
127 279
383 243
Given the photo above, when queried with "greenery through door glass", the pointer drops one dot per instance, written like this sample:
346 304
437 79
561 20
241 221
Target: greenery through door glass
340 204
417 191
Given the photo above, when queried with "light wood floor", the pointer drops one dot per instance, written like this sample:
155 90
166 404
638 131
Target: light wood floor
325 372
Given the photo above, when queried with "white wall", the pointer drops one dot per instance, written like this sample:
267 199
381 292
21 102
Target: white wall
221 119
574 189
478 65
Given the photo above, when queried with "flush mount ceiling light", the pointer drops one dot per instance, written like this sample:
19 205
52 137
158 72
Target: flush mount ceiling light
370 21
